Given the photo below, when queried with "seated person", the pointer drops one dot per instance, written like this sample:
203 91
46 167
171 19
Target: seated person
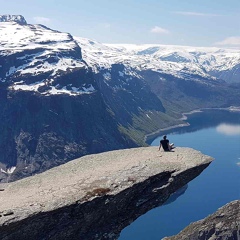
164 143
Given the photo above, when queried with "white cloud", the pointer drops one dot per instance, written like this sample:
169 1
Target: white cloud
228 129
198 14
41 20
230 41
159 30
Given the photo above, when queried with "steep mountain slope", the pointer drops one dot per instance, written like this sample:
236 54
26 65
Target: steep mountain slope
62 97
51 108
35 58
223 224
183 78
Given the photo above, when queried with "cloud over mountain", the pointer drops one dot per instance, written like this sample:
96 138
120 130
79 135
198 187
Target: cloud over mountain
42 20
230 41
159 30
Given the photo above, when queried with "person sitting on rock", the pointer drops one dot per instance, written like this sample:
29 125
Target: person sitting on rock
164 143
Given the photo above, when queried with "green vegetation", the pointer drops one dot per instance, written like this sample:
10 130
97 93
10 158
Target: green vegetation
145 123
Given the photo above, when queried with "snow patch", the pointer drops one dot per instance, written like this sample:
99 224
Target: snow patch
107 76
121 74
148 116
54 90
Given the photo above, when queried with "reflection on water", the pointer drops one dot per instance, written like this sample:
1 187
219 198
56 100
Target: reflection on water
228 129
176 195
203 120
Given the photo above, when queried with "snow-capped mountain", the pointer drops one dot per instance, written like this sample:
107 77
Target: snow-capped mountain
180 61
36 58
41 56
62 97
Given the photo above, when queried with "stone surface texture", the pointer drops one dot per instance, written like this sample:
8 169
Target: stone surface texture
95 196
224 224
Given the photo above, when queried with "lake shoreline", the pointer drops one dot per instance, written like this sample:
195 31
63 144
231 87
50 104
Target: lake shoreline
153 135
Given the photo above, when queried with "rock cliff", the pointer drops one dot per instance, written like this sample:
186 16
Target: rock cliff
95 196
224 224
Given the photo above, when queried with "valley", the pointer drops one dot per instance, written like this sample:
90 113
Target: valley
64 97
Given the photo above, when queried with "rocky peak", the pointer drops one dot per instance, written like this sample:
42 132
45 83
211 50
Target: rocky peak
13 18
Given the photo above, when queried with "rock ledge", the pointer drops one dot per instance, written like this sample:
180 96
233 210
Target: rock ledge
95 196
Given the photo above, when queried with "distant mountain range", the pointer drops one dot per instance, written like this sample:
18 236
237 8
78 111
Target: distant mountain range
181 61
62 97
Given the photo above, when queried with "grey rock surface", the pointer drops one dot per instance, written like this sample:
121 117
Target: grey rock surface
224 224
95 196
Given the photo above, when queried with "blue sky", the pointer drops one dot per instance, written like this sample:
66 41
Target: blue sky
178 22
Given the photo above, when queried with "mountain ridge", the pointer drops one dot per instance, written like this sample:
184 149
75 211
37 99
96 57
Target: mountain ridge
210 62
63 97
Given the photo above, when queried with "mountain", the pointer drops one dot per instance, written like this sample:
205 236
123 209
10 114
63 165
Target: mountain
63 97
180 61
40 58
51 109
183 78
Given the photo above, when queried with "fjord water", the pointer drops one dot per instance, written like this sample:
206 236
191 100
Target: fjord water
215 133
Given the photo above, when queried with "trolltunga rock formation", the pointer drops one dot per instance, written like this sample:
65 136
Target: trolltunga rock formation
96 196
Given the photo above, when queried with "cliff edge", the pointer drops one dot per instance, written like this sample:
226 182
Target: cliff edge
95 196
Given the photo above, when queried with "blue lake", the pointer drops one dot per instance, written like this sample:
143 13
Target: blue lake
215 133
